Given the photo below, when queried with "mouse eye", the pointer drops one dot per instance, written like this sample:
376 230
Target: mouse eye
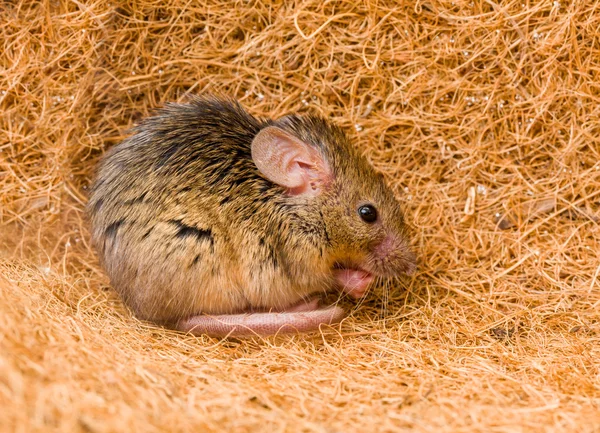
368 213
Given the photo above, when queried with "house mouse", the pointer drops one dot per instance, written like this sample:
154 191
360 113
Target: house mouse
211 221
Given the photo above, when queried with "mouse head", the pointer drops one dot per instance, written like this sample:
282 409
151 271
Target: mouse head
363 222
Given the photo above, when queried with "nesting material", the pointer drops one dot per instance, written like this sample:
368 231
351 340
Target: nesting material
477 112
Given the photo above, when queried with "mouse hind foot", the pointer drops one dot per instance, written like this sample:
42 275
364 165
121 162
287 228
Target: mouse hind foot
293 320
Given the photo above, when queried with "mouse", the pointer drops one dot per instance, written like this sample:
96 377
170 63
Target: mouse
212 221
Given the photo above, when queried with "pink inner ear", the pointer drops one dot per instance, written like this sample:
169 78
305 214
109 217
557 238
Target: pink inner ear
288 161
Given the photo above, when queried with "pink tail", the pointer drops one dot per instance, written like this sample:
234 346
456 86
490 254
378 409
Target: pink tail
243 325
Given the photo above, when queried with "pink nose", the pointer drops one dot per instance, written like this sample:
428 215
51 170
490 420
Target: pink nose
386 247
396 250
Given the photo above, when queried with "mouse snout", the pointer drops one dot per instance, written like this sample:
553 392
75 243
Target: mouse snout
392 256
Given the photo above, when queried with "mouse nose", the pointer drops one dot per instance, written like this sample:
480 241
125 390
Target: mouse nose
395 251
386 247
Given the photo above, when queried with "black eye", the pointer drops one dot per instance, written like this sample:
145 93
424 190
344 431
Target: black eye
368 213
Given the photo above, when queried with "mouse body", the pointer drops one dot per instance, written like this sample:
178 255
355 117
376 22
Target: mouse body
212 221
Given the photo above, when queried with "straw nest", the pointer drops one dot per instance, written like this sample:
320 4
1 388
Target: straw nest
483 115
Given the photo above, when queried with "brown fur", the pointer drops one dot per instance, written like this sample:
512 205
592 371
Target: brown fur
186 224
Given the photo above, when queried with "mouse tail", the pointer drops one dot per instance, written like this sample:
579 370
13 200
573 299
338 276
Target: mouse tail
261 324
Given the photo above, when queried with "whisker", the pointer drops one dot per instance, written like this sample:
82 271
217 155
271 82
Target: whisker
386 298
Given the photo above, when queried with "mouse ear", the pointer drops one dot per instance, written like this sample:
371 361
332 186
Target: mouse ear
288 161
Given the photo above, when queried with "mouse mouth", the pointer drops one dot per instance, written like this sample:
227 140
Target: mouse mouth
352 278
